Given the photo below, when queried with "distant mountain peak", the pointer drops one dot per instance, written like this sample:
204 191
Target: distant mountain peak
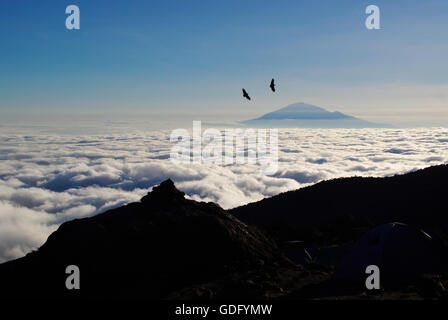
304 115
303 110
301 106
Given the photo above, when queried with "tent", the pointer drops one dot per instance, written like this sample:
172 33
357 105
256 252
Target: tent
401 252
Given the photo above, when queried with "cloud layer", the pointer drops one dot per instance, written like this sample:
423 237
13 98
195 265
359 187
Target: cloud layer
46 179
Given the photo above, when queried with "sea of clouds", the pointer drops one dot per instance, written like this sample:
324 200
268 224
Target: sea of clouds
48 178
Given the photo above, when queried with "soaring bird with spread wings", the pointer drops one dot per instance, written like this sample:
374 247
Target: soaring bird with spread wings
272 86
245 94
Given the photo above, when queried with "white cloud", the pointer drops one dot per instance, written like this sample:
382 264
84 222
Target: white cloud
22 229
46 179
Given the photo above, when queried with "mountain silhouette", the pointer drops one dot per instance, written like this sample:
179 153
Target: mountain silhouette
342 209
147 249
309 116
169 247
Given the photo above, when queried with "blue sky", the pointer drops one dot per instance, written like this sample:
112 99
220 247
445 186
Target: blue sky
193 57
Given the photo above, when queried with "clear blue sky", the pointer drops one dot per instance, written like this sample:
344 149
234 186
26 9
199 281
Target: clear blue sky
194 56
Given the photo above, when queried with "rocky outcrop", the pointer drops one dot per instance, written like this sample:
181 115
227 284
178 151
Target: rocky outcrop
148 249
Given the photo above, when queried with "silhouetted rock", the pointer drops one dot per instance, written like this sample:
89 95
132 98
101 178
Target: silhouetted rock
341 210
166 246
164 192
147 249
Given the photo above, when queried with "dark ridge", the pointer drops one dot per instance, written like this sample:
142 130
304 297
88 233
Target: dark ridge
148 249
168 247
342 209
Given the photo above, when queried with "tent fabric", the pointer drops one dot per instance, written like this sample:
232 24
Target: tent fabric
401 252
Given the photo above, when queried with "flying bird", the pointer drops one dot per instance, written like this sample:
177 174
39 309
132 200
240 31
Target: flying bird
272 86
245 94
